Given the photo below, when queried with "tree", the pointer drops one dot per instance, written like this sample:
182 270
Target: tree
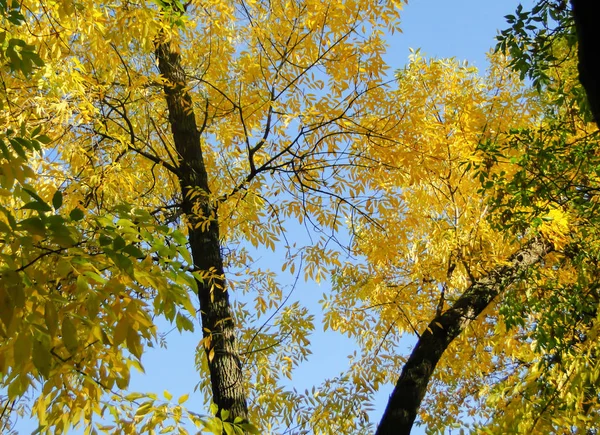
556 164
140 184
177 136
552 390
537 53
438 275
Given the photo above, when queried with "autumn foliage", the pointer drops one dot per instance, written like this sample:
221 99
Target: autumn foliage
150 150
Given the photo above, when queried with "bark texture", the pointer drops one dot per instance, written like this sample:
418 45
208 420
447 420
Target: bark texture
402 407
217 317
586 14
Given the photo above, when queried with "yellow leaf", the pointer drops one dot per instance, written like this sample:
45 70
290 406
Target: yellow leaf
134 344
41 358
144 409
22 349
69 335
121 331
51 318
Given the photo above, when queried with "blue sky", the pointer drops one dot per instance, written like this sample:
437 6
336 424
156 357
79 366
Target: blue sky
463 29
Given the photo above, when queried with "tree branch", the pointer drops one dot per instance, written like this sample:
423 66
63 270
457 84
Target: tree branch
410 389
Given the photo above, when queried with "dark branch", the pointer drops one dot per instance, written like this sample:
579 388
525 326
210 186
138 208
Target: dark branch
402 407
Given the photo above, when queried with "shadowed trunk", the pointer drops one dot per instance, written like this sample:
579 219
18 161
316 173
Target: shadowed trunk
217 318
586 14
404 403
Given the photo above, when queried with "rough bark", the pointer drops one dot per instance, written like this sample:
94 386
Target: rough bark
402 407
586 14
217 317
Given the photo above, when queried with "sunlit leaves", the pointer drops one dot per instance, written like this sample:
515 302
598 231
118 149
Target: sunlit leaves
66 301
392 193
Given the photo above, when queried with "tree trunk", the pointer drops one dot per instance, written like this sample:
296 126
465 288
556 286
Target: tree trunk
586 14
217 317
402 407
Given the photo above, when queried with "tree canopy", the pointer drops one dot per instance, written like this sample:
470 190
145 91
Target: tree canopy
149 148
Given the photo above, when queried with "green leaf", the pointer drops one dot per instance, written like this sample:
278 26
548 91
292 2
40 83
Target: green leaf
22 349
64 236
185 253
183 323
104 240
17 292
76 214
41 358
37 206
18 387
55 222
99 279
43 139
36 131
93 306
5 152
179 237
31 192
123 262
51 318
18 148
4 228
134 251
118 243
250 428
35 58
82 284
34 226
25 143
57 200
11 219
6 312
